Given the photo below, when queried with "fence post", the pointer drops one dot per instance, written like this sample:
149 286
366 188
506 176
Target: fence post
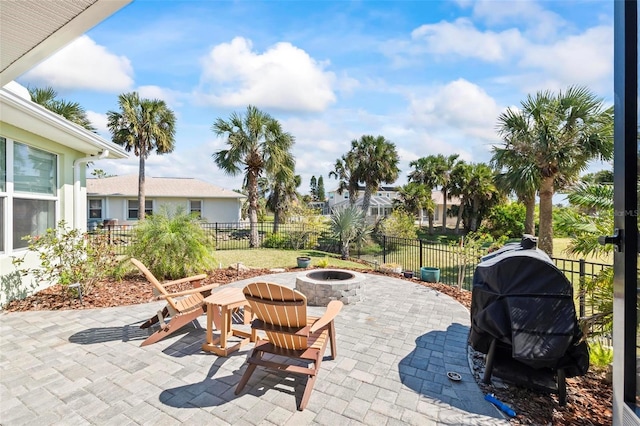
421 253
384 249
582 295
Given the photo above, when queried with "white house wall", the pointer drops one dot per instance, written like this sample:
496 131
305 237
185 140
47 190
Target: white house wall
213 210
222 210
64 209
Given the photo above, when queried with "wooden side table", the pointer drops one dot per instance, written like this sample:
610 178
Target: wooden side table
220 307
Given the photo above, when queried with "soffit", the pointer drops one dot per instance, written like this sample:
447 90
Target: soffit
32 30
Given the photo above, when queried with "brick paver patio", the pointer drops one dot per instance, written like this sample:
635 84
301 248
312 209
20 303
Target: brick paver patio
394 350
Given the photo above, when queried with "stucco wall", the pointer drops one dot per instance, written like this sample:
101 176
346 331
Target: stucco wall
213 210
64 207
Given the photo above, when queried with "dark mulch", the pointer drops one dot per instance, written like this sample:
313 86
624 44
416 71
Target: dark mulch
589 398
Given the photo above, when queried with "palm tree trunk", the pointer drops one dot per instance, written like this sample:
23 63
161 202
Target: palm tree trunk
430 215
444 210
252 189
366 201
474 214
545 238
529 220
459 218
141 180
276 213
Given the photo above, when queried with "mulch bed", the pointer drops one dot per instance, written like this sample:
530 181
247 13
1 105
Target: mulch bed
589 398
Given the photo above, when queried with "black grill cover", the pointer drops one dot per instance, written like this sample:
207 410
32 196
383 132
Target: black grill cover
521 299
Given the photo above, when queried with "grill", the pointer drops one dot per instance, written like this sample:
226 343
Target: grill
523 317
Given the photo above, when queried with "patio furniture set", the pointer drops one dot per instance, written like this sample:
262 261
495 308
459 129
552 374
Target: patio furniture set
277 315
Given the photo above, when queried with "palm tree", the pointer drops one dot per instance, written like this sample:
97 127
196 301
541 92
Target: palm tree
376 162
559 135
72 111
349 225
415 197
459 187
481 191
344 170
518 175
256 144
435 170
141 126
283 194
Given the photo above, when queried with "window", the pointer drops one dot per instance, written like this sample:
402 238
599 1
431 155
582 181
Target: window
1 224
195 206
28 193
95 209
132 209
34 170
31 217
3 164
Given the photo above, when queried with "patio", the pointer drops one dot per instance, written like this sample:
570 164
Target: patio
394 350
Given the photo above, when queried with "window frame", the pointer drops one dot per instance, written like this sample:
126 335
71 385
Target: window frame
8 194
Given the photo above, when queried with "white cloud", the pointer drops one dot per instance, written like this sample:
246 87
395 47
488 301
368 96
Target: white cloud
460 106
283 77
538 22
83 64
585 58
99 121
463 39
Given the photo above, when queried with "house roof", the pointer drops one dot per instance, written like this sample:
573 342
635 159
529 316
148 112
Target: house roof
17 109
32 30
127 186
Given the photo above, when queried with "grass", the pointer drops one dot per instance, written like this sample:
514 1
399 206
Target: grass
560 250
275 258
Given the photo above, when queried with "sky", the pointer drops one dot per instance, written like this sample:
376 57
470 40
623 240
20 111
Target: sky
430 76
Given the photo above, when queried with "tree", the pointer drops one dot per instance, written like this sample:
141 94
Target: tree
283 194
433 171
344 170
459 187
604 177
100 174
559 135
482 191
376 162
516 174
348 225
313 188
256 144
72 111
141 126
320 193
415 197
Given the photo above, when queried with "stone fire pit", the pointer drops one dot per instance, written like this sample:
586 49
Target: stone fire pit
324 285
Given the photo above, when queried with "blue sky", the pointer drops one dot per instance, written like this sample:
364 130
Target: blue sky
430 76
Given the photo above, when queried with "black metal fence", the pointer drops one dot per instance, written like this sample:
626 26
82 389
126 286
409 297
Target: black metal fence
456 264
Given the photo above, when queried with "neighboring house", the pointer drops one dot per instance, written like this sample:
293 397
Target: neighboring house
116 198
42 155
382 203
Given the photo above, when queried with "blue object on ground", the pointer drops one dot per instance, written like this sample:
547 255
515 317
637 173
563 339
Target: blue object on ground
431 275
501 405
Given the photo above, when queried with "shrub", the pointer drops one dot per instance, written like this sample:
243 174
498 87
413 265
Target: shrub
68 256
323 263
173 246
399 224
505 220
600 355
277 241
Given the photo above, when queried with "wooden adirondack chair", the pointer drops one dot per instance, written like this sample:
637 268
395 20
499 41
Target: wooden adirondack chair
282 314
182 307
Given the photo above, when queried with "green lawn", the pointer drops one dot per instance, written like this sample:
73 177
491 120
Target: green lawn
274 258
560 250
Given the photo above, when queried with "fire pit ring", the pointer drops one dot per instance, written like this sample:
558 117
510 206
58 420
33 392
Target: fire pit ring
324 285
